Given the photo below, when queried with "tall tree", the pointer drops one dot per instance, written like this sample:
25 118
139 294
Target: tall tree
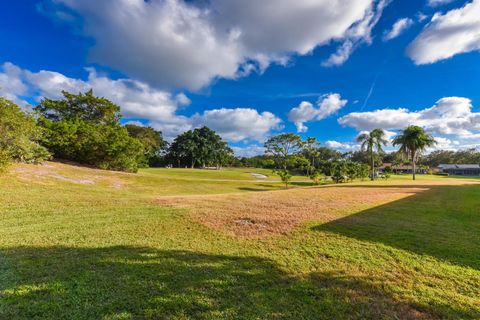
310 151
413 141
152 140
374 140
282 146
86 129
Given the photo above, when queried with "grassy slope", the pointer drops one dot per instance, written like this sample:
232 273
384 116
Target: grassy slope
106 250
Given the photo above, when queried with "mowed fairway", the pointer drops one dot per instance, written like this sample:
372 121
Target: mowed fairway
78 243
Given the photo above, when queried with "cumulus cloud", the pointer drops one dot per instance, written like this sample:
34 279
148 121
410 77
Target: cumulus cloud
139 100
450 116
188 44
344 146
240 123
327 105
449 34
357 34
397 29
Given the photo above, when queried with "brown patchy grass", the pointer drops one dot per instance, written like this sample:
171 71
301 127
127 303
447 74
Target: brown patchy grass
278 212
262 214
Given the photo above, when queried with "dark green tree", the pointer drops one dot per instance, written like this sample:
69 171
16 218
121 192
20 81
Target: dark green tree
152 141
86 129
199 146
19 136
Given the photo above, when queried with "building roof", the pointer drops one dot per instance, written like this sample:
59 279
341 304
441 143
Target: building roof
459 166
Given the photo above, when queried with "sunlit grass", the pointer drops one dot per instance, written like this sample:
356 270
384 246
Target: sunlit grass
108 250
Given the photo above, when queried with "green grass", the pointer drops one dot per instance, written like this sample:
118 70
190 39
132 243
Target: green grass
74 251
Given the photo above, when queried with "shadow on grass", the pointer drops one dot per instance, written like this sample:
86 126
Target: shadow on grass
145 283
257 189
442 221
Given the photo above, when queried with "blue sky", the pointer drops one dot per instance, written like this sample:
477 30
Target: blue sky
252 69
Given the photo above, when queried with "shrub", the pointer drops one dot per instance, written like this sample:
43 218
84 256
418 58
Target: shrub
285 175
19 136
86 129
317 176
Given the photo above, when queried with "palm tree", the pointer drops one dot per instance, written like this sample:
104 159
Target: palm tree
413 141
371 141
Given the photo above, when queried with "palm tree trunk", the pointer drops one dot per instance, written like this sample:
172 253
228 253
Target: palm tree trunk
413 165
373 167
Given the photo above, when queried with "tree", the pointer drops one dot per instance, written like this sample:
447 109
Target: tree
19 136
310 151
86 129
152 141
363 171
285 175
339 173
413 141
282 146
202 146
317 176
327 154
371 141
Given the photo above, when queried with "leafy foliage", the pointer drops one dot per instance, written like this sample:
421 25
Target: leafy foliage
468 156
152 141
19 136
285 175
86 129
282 146
199 146
413 141
374 140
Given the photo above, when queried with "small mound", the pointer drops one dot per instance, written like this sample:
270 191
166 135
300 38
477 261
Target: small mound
68 173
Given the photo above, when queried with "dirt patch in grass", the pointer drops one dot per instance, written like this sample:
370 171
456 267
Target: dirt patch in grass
278 212
67 173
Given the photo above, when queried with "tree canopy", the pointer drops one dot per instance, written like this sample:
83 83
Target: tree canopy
86 129
372 142
201 146
413 141
282 146
152 140
19 136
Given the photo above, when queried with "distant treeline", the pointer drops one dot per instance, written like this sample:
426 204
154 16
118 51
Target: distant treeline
86 129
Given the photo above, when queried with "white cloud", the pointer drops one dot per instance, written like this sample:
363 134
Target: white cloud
11 84
436 3
138 100
303 113
357 34
239 123
175 43
449 34
327 105
398 28
343 146
450 117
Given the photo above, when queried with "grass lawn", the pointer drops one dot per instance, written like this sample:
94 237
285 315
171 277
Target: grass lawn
78 243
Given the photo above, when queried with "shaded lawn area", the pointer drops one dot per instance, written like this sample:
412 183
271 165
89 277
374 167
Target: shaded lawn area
135 282
443 221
